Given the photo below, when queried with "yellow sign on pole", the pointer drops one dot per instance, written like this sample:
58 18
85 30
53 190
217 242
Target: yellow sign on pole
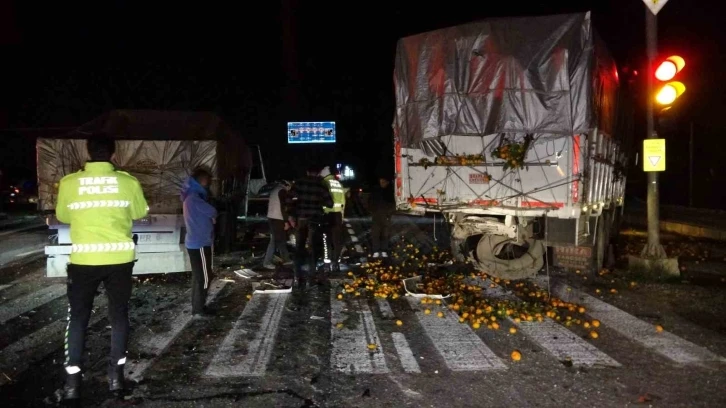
654 155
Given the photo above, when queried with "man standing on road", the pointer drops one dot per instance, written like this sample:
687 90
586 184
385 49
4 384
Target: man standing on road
199 218
277 217
100 204
382 205
306 200
333 219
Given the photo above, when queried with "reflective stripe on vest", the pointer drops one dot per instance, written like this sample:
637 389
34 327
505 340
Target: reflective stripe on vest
81 205
113 247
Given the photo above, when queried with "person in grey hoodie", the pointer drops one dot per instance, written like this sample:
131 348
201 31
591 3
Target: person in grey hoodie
199 218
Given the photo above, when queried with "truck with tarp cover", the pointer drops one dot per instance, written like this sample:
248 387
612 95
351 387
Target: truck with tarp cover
160 149
512 129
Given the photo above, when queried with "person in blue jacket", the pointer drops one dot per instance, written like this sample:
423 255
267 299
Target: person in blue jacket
199 218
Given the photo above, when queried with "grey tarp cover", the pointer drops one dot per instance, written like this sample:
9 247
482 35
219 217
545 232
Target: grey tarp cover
540 75
159 148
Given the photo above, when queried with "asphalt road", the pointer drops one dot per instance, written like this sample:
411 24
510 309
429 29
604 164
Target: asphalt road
313 350
21 238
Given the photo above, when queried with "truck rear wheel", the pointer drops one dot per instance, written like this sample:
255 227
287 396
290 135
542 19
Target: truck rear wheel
504 258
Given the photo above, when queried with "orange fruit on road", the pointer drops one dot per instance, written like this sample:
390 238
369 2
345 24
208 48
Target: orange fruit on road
399 323
340 297
658 328
372 346
596 323
427 311
440 314
476 325
594 334
512 330
516 355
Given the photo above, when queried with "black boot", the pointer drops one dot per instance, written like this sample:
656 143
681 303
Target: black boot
116 382
302 284
72 388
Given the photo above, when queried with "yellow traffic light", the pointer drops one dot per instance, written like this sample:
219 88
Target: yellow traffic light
670 92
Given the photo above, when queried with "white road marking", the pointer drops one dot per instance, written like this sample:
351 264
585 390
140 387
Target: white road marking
460 347
667 344
359 248
560 342
408 361
351 231
565 345
350 353
31 301
21 229
354 239
3 287
385 309
37 251
156 344
242 356
18 356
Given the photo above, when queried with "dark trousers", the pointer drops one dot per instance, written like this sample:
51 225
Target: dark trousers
334 232
306 233
201 260
278 241
381 232
83 283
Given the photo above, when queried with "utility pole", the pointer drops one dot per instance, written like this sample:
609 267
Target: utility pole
690 167
290 58
653 249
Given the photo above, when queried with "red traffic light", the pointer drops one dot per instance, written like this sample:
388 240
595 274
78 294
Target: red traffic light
668 69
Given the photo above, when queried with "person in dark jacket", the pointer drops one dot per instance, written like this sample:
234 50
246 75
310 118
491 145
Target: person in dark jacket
199 218
305 202
382 205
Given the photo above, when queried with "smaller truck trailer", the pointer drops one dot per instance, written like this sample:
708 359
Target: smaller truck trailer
160 149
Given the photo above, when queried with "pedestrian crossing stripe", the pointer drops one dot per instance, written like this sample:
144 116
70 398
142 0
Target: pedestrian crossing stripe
112 247
560 342
461 348
82 205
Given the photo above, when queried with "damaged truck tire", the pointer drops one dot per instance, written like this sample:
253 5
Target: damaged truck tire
505 258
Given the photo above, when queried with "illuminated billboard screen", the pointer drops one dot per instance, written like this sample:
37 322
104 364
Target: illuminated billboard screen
311 132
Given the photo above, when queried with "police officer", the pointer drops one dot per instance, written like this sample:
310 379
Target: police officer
333 219
100 203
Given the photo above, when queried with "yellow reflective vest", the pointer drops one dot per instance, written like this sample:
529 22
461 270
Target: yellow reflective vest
100 204
337 192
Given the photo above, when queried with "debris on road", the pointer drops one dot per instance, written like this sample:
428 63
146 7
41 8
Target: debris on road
246 273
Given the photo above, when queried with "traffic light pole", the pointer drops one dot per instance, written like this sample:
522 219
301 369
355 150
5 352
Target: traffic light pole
653 250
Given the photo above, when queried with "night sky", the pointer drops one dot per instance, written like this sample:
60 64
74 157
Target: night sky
262 65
